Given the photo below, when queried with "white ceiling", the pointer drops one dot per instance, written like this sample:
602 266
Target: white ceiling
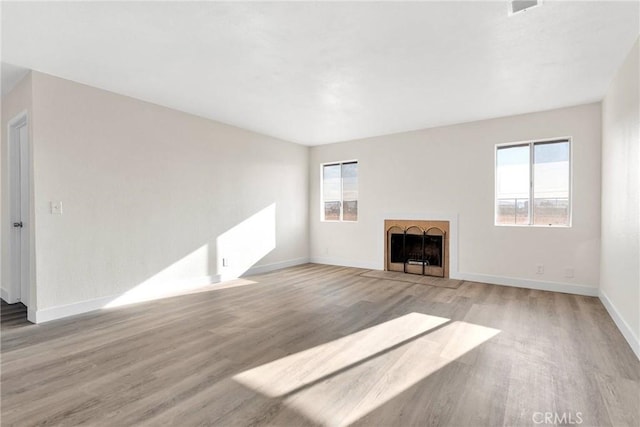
319 72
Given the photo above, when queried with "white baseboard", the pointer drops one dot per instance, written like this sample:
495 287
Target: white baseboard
61 311
567 288
66 310
622 325
191 284
4 294
261 269
345 263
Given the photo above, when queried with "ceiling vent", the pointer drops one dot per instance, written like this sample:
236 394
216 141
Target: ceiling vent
517 6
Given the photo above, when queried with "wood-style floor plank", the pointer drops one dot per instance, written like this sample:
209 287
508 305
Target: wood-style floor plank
323 345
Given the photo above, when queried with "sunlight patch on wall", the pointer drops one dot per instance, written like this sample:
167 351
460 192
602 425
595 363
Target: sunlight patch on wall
373 365
242 246
171 281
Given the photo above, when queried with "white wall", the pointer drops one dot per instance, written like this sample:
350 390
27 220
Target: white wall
450 171
13 103
620 262
147 192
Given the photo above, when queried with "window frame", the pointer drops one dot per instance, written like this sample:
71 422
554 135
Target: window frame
531 144
322 201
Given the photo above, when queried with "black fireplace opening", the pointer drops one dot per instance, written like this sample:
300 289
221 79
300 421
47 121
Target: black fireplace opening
416 249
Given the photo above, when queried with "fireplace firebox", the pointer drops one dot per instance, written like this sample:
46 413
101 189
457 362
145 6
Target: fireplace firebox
417 247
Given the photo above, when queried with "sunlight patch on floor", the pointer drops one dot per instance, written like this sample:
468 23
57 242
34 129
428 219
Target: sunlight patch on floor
288 374
339 382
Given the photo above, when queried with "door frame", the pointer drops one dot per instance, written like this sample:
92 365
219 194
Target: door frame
20 288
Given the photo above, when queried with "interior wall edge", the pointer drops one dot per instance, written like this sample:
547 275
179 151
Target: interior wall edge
622 325
4 294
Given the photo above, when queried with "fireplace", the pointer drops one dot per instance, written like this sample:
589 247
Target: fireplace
417 247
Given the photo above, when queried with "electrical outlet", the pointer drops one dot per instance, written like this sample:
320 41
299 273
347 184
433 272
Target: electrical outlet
540 269
569 272
225 262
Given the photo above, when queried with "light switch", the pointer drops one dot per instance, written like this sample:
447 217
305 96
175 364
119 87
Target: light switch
56 208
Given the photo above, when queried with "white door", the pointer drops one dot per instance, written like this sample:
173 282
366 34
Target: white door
19 209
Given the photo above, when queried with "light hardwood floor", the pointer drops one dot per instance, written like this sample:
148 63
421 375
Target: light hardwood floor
319 344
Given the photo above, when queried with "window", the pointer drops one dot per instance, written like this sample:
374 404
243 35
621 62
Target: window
340 191
533 183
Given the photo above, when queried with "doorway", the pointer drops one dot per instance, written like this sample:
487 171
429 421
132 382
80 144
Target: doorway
19 208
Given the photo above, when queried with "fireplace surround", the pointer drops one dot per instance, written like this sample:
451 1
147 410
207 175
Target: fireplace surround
417 247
